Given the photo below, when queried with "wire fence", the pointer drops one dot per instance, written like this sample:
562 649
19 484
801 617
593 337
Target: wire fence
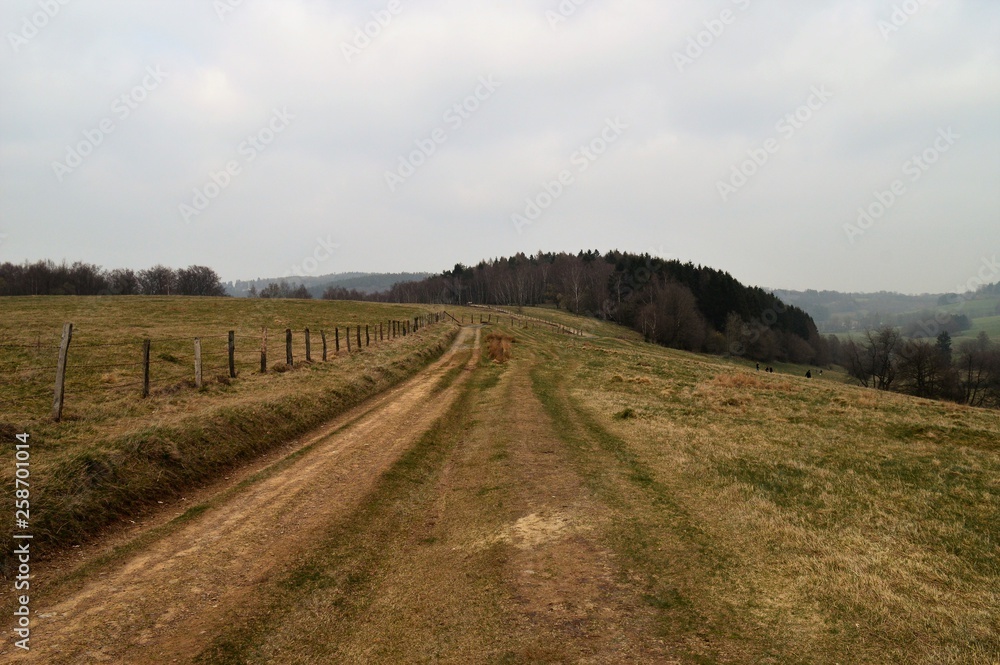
41 372
499 314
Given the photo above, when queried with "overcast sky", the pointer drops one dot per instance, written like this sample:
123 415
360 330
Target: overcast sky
262 137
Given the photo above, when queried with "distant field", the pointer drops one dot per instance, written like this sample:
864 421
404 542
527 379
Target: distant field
990 325
984 307
588 325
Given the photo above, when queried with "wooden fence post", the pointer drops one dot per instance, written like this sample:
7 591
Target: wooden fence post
381 333
57 402
289 359
263 350
359 337
336 339
145 368
197 363
322 334
348 336
367 339
309 355
232 354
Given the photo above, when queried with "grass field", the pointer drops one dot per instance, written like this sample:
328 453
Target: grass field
776 519
588 325
105 355
114 449
990 325
979 308
597 499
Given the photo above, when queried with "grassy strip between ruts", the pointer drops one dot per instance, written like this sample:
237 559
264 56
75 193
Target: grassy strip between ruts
626 483
79 490
342 566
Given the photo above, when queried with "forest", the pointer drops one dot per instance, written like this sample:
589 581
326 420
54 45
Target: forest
680 305
47 278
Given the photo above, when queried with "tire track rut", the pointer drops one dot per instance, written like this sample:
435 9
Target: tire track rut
166 602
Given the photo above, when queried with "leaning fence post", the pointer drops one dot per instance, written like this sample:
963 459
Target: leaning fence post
309 357
263 350
232 354
197 363
145 368
57 402
289 360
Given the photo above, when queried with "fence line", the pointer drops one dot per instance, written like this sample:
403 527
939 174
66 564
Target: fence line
174 362
514 316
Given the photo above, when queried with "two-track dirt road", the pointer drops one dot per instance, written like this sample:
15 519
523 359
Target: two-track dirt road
446 520
165 602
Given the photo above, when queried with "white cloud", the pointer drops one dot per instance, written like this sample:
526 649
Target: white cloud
656 187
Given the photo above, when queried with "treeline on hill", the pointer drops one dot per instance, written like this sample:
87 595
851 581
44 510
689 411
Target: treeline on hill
884 358
676 304
47 278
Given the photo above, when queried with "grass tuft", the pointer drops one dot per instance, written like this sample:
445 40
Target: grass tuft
499 347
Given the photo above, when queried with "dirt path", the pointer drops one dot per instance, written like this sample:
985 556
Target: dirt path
495 556
165 603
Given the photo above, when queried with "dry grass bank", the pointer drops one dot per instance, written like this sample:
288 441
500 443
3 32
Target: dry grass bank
115 452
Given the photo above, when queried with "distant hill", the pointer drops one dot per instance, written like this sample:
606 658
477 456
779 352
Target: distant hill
364 282
835 312
675 304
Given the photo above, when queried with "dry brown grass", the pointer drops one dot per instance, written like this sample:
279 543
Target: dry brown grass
777 519
95 465
741 380
499 347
